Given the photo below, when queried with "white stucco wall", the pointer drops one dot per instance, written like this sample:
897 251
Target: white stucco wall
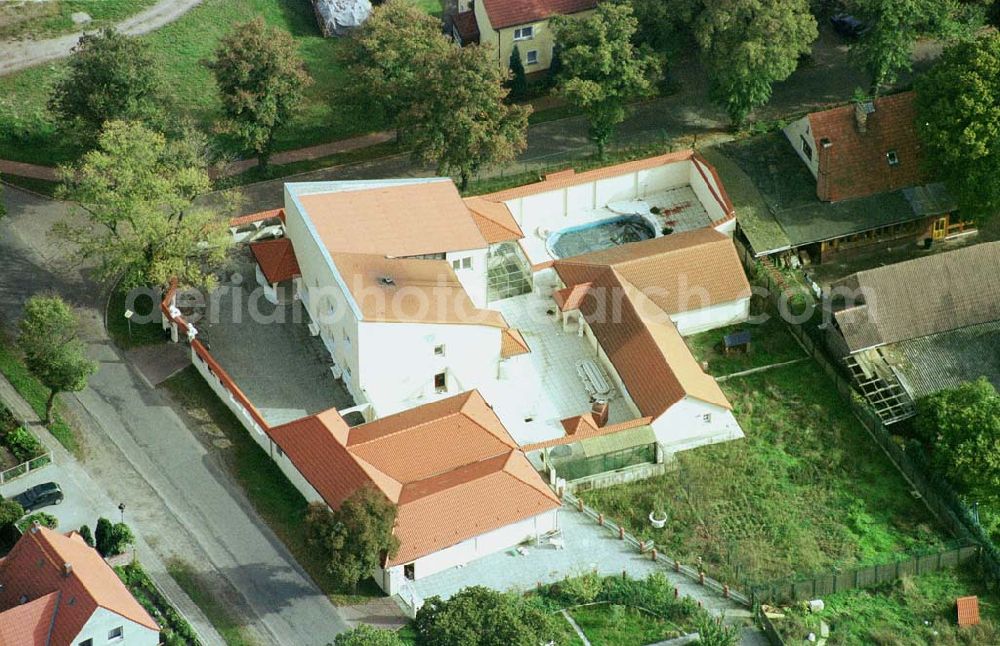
473 279
798 130
709 318
398 363
471 549
685 425
708 190
103 621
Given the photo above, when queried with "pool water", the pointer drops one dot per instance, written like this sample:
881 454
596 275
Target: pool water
599 235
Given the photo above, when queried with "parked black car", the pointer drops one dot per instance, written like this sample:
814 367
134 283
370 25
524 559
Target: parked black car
847 25
39 496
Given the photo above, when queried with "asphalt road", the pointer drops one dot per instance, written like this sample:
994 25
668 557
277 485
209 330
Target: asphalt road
140 452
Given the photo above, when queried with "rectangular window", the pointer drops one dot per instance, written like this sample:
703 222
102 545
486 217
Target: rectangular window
456 264
86 642
466 263
892 158
524 33
806 148
439 350
707 418
116 633
440 382
532 57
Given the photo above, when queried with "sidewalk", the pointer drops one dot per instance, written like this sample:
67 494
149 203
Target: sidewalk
75 476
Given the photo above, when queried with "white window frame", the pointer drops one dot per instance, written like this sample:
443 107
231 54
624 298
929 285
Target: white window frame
524 33
439 350
892 157
467 262
527 57
444 387
456 264
116 634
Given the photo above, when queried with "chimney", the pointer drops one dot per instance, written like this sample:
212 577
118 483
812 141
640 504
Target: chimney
823 191
67 569
599 410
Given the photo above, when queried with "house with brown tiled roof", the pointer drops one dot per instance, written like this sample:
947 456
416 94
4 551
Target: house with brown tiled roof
868 166
55 590
502 25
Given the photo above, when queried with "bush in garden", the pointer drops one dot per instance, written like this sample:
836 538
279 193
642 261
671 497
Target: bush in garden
365 635
44 519
10 512
112 539
85 534
23 444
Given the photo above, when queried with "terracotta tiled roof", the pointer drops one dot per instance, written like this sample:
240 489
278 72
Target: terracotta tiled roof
408 219
968 611
924 296
36 568
468 28
450 467
855 164
509 13
494 220
583 427
569 298
276 259
257 217
512 344
638 336
423 291
29 624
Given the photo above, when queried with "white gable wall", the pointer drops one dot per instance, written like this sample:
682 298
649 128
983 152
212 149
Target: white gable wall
473 279
800 130
103 621
691 422
707 189
714 316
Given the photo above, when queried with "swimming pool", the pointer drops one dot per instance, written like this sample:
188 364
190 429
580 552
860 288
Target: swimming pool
602 234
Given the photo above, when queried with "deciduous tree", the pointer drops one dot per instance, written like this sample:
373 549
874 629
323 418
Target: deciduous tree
958 110
366 635
355 538
385 55
52 350
479 616
667 26
601 69
111 76
137 190
747 45
261 77
460 120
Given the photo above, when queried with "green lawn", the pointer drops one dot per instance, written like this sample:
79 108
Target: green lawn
220 616
621 625
805 491
143 305
277 501
36 395
912 611
27 132
771 343
19 20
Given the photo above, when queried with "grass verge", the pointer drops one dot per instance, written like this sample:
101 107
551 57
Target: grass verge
36 395
40 186
277 501
35 20
805 491
216 612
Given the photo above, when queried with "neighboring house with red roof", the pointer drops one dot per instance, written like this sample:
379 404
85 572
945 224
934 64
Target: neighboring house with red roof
55 590
500 25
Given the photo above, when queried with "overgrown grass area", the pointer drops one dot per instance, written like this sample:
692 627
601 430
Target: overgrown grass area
22 20
806 490
220 616
146 328
36 395
277 501
770 343
28 132
911 611
621 625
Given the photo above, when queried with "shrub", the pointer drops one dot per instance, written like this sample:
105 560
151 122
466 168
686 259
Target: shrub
110 538
44 519
712 632
85 534
480 616
365 635
174 629
10 512
23 444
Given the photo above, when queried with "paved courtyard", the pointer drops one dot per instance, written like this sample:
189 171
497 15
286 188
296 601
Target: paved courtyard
268 351
588 547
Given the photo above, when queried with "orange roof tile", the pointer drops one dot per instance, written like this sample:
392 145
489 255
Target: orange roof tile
509 13
276 259
450 467
35 568
396 220
494 220
569 298
855 164
512 344
29 623
423 291
968 611
257 217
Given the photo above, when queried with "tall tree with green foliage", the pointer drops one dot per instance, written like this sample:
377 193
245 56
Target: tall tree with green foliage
110 76
366 635
958 121
52 349
385 55
666 26
602 71
460 121
11 511
479 616
261 77
137 191
518 82
747 45
355 538
892 28
961 428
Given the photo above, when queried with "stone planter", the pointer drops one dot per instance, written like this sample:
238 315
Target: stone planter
658 519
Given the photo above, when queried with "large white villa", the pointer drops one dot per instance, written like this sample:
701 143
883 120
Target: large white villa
482 338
